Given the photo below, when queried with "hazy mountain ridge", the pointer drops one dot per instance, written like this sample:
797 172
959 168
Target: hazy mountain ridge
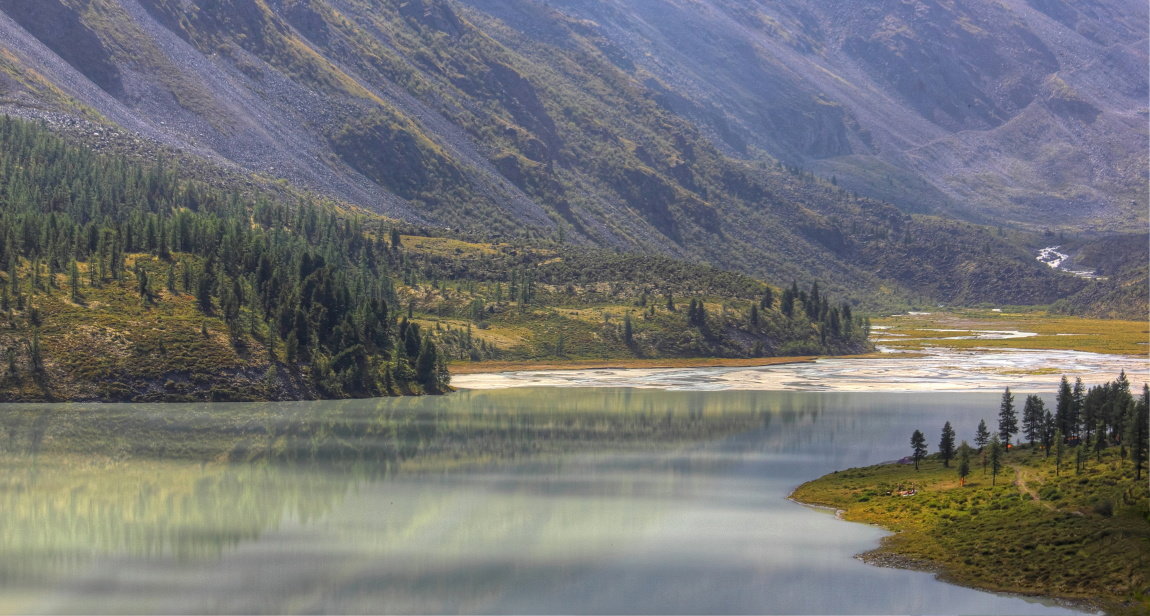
457 116
1007 111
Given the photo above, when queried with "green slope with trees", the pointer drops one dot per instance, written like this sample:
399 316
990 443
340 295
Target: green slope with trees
129 281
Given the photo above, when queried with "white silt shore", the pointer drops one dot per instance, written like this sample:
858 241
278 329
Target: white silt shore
939 370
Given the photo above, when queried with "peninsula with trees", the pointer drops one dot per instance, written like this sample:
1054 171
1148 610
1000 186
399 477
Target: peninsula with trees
1054 503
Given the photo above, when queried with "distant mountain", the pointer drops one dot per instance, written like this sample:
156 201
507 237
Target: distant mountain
689 129
1031 111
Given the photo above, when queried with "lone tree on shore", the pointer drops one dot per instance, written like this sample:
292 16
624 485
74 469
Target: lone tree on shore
963 463
982 436
946 444
918 442
995 455
1007 418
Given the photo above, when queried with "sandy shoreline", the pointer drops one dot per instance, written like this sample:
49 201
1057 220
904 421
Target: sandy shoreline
936 370
488 367
618 364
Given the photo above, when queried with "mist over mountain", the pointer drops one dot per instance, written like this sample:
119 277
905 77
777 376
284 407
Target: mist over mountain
690 129
1031 112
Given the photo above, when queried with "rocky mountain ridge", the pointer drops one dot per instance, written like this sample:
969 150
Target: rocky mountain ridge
515 118
1006 111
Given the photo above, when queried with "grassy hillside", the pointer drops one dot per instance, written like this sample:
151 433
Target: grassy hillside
510 303
125 281
1123 265
1078 536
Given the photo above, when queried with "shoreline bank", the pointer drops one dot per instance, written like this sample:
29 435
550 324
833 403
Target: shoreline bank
492 367
962 534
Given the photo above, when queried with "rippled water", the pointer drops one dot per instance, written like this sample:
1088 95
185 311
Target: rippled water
528 500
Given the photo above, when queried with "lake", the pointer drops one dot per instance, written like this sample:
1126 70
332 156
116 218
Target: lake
518 500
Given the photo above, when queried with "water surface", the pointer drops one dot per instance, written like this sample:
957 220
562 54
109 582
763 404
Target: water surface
528 500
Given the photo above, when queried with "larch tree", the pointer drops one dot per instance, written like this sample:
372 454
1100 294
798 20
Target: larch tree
1059 450
946 444
1033 418
963 463
1049 427
1007 418
1137 437
982 435
994 458
1064 408
918 445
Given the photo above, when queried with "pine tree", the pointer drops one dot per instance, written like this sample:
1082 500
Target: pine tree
35 353
1078 400
628 332
291 348
425 367
982 436
1007 419
963 463
1059 450
1064 408
142 285
1080 454
1137 436
995 458
1049 426
74 280
946 444
388 386
918 445
204 292
787 304
1033 419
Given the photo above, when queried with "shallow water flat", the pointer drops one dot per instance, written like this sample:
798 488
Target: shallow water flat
938 370
529 500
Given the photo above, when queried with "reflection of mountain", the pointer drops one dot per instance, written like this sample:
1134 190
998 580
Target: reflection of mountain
58 512
193 481
503 503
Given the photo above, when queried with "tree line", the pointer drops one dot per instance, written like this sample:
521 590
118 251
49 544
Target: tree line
316 285
1082 423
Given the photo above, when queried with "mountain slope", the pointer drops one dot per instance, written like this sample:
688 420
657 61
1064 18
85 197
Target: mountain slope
1032 112
449 115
